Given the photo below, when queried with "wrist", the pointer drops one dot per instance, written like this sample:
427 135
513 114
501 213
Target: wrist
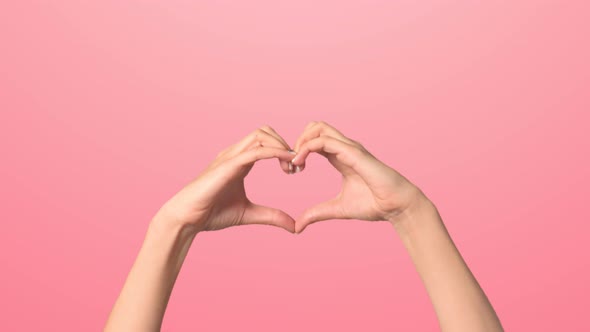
162 226
168 243
419 215
169 218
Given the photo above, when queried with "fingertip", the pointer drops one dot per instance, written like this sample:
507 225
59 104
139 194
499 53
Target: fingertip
287 155
289 227
291 167
290 230
300 225
286 166
283 221
300 230
298 159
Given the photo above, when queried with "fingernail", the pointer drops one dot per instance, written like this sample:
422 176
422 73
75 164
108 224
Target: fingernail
291 162
297 169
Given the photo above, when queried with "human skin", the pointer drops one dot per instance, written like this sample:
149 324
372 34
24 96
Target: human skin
371 190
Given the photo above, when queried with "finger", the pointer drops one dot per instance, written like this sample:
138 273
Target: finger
345 153
249 157
305 130
257 138
272 132
324 211
286 166
317 129
298 143
355 157
262 215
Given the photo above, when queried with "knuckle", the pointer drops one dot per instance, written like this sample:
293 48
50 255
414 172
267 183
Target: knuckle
258 134
266 128
322 123
326 125
311 124
356 143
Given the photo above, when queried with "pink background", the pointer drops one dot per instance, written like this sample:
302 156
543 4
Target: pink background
109 107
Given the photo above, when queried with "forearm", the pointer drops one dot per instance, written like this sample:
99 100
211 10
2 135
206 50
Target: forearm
459 301
144 297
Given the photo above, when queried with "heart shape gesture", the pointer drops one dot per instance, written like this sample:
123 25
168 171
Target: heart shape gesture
370 190
216 199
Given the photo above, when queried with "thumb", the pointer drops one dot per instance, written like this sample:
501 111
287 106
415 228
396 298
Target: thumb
263 215
324 211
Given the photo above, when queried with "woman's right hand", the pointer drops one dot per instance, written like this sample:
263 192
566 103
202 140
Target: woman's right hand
371 190
216 199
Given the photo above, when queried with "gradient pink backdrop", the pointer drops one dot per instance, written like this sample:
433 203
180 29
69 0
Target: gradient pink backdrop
109 107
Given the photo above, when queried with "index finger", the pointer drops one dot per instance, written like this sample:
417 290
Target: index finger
251 156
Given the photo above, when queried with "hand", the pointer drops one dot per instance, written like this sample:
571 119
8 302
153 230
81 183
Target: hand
370 190
216 199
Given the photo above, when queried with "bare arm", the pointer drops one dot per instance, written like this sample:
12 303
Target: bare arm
371 191
143 300
374 191
216 199
459 301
